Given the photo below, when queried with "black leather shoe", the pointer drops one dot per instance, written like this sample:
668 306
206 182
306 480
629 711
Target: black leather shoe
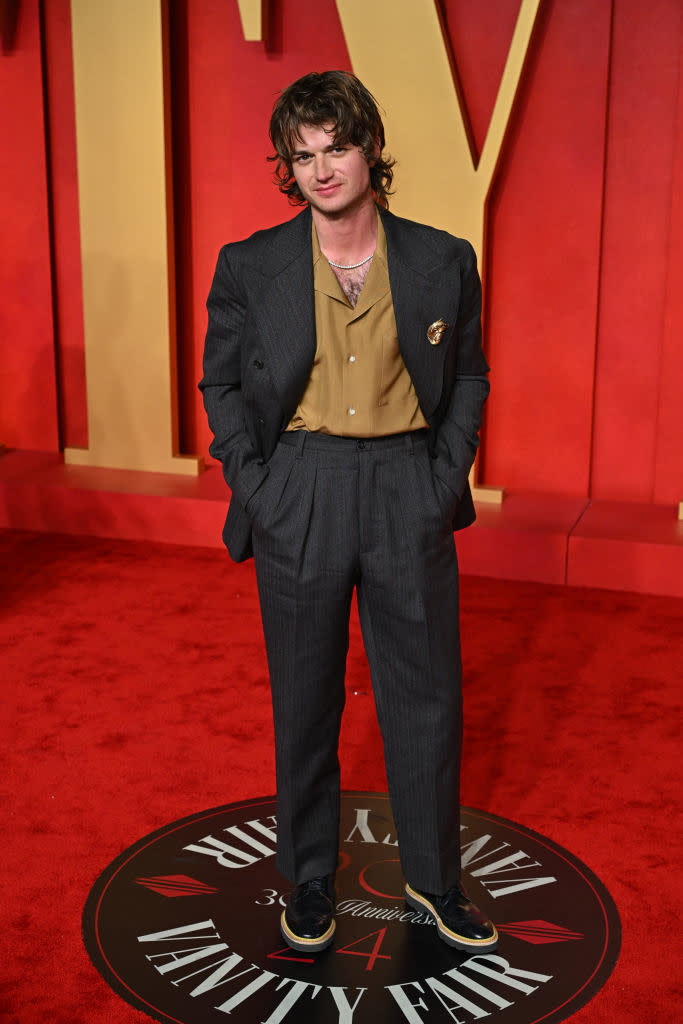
458 921
307 922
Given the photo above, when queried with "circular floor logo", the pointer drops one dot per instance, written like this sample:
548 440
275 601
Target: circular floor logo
184 925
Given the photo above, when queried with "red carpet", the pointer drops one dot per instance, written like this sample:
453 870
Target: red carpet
136 693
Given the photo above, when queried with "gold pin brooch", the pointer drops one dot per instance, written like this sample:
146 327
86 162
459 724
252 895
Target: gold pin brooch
435 331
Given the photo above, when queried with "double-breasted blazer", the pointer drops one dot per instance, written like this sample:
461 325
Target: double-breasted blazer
261 343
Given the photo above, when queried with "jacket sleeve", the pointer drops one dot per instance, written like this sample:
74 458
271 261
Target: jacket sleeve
458 433
221 387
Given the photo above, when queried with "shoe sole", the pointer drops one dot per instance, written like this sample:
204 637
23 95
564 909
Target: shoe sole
303 945
418 902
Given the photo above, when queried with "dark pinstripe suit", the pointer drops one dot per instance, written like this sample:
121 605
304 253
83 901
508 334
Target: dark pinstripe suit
329 515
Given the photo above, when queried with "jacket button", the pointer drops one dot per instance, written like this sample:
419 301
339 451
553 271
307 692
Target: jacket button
258 363
260 421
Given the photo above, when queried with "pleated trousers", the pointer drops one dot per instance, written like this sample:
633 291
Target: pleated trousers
336 514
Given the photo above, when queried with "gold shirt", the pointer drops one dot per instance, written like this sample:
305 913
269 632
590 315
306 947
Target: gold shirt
359 386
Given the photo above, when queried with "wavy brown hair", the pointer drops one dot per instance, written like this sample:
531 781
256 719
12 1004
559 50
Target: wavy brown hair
334 98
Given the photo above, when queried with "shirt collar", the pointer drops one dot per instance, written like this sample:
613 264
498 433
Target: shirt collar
376 283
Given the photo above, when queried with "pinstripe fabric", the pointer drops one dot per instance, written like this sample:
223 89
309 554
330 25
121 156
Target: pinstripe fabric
334 514
261 343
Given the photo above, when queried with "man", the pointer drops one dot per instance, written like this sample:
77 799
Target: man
344 382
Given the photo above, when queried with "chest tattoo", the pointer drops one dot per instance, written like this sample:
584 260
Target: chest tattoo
352 281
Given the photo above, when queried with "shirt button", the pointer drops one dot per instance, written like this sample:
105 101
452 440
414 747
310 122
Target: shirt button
352 412
352 359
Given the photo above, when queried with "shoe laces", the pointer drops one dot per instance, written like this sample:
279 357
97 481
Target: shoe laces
457 894
314 885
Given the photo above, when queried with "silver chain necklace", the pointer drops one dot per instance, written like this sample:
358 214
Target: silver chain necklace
350 266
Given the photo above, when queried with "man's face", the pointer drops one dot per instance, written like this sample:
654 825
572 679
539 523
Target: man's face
333 177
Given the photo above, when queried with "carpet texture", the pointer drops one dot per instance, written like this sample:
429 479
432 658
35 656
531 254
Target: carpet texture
135 692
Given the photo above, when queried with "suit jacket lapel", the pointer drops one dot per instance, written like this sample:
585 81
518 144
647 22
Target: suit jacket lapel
422 291
285 312
422 288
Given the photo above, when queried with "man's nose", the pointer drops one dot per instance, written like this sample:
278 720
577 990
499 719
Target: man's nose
323 167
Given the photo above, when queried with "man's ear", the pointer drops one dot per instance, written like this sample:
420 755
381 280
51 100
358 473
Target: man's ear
374 156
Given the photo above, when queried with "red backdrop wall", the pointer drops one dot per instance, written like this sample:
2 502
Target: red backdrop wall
584 314
28 373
